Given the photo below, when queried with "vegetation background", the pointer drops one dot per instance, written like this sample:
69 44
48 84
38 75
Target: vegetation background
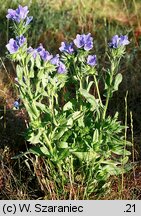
54 22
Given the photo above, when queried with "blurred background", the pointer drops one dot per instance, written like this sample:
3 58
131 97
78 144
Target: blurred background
54 22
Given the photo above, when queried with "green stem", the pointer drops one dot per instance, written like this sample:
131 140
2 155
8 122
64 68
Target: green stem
52 109
106 105
81 87
97 88
113 69
61 173
48 143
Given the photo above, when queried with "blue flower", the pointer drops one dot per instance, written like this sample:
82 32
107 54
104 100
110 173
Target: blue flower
84 41
88 42
45 55
16 104
118 41
55 60
14 45
20 40
124 40
33 51
65 47
92 60
79 41
28 20
11 14
61 68
19 14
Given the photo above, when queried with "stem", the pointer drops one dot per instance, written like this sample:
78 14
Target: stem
114 64
61 173
97 88
52 109
80 82
48 142
106 105
81 87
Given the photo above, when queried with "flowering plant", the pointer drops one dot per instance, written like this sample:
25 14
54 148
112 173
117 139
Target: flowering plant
76 138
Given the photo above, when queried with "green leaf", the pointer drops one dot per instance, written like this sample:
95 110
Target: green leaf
124 160
61 132
107 80
67 124
39 151
118 80
63 145
86 156
112 169
96 136
67 106
110 162
120 151
33 137
62 155
81 122
90 98
74 116
89 85
19 71
40 74
38 61
42 107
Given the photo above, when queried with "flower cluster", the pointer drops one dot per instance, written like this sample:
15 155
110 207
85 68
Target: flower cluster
68 48
118 41
45 55
84 41
61 68
18 15
14 45
33 51
81 41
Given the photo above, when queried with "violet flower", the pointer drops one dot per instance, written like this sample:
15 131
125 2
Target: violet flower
45 55
124 40
28 20
12 46
33 51
55 60
118 41
16 104
61 68
19 14
20 40
91 60
65 47
84 41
